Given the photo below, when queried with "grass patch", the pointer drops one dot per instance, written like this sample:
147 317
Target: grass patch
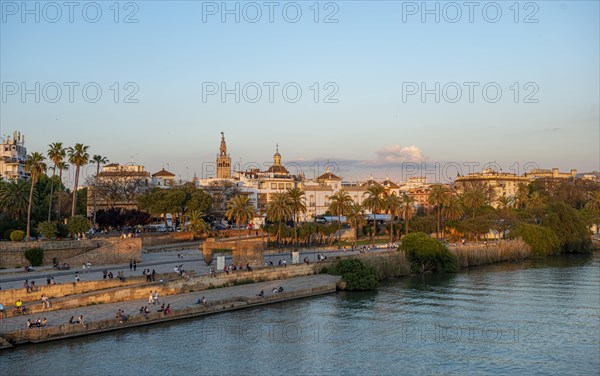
245 281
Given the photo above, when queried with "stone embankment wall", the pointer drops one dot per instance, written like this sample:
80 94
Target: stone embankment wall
154 239
12 254
19 336
74 252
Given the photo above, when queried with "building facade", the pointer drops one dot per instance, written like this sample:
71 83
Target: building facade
12 157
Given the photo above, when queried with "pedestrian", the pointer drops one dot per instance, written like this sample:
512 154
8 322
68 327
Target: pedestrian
110 275
27 287
284 263
33 287
76 277
48 281
45 302
104 274
151 298
168 310
134 265
153 275
155 298
130 265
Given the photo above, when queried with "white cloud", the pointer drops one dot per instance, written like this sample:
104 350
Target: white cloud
396 154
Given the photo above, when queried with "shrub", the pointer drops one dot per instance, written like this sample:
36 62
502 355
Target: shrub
542 240
35 256
245 281
356 275
427 254
17 235
48 229
6 235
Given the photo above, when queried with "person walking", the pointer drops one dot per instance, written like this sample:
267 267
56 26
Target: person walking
151 298
130 265
134 265
155 298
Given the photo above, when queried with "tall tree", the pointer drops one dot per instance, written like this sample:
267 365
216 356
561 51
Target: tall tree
473 198
13 198
98 160
78 156
454 209
240 209
297 200
438 196
392 205
35 166
56 153
407 210
279 209
375 203
356 218
62 166
339 205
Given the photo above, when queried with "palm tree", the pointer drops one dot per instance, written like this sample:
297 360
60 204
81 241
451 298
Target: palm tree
98 160
13 198
438 196
356 218
56 154
407 203
375 203
240 209
340 203
78 156
296 196
62 166
35 166
593 204
535 204
197 222
505 202
392 205
474 198
454 209
279 208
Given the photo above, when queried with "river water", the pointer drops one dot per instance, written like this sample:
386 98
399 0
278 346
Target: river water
534 317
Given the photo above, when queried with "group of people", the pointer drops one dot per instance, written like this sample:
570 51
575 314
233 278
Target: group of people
121 316
321 257
153 298
86 267
106 274
37 323
232 268
132 265
150 275
45 302
50 281
276 290
29 287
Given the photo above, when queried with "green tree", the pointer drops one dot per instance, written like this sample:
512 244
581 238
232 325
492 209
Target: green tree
35 256
542 240
35 166
49 229
13 198
375 203
339 204
62 166
427 254
571 229
77 225
356 219
98 160
392 205
453 210
356 275
298 203
473 198
279 209
56 153
407 210
197 222
78 156
439 196
240 209
535 204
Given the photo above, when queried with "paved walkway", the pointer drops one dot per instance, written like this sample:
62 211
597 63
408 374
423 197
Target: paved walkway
108 311
162 262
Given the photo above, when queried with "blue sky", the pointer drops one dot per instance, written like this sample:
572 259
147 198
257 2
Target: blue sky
371 57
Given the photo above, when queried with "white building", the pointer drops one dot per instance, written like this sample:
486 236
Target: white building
12 157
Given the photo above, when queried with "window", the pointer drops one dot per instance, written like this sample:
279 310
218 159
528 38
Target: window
281 186
273 185
288 185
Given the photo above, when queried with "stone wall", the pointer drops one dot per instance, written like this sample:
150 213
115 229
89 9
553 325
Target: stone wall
119 252
244 251
154 239
12 254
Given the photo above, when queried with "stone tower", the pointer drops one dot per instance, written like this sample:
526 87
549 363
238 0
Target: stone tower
223 161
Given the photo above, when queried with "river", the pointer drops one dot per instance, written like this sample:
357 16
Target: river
533 317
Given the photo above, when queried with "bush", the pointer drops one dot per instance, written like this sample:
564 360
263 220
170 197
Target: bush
77 225
17 235
427 254
48 229
35 256
357 276
542 240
